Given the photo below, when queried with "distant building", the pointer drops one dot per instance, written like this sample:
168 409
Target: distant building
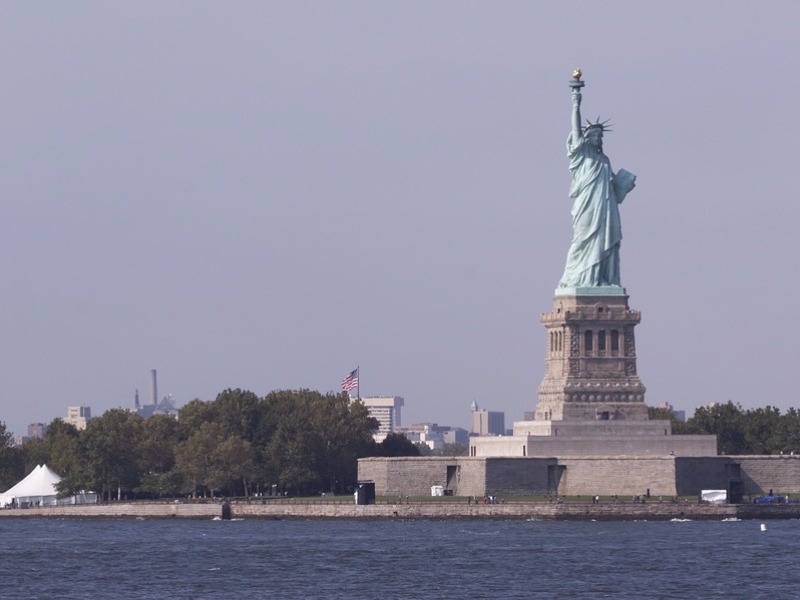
419 433
412 434
36 430
487 422
78 416
434 436
165 407
386 409
456 435
425 434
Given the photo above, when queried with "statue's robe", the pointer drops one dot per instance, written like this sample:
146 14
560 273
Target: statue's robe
593 257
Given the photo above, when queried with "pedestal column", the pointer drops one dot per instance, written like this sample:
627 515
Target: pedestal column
591 374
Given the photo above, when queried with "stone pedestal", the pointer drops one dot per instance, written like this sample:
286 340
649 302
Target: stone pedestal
591 358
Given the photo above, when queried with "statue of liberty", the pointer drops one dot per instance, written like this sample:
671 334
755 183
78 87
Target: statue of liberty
593 258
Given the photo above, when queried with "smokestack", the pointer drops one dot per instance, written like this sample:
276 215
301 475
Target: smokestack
153 388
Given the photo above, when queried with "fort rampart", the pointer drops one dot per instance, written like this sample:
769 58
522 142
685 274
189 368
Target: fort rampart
582 476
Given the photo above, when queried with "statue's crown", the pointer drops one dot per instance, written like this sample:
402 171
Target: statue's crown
598 124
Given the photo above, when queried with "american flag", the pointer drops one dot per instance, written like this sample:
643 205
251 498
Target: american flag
351 381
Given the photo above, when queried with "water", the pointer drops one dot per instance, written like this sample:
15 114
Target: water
124 558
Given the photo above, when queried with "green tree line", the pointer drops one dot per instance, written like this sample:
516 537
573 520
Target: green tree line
300 441
739 431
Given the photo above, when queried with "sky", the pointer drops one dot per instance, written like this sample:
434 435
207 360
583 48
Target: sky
267 195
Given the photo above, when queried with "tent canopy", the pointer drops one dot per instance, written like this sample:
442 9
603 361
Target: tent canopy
39 489
38 486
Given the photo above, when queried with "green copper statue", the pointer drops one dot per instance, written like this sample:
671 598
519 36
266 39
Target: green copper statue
593 258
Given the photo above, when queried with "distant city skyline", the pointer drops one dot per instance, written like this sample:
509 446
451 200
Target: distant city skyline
265 195
387 409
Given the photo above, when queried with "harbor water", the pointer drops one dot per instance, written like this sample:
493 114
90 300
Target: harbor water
159 558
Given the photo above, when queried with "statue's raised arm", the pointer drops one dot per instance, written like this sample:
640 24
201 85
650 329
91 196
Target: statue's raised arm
576 115
576 84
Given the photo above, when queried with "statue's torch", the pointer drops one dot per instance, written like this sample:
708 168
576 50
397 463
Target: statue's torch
575 83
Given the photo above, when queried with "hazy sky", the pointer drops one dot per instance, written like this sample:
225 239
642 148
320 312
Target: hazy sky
266 195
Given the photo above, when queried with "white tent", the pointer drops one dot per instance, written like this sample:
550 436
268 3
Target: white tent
39 489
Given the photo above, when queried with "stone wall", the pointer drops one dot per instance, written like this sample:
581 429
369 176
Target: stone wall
759 474
289 509
505 510
501 445
517 476
582 475
694 474
122 510
280 509
471 477
643 438
593 428
624 476
632 446
520 476
407 476
764 473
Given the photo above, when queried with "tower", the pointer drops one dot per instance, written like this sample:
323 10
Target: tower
590 369
153 388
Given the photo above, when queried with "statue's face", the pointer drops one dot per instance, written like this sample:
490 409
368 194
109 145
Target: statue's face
595 137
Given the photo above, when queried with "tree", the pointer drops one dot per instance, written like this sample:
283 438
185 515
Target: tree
345 432
159 440
62 443
293 453
35 452
424 449
760 431
726 422
193 457
658 413
193 414
159 437
110 446
787 433
237 412
11 465
232 463
451 450
396 444
273 410
313 441
58 450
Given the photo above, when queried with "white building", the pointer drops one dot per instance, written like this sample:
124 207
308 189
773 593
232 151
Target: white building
425 434
386 409
435 436
78 416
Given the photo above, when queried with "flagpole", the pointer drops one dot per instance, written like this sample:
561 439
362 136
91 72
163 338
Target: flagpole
358 380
